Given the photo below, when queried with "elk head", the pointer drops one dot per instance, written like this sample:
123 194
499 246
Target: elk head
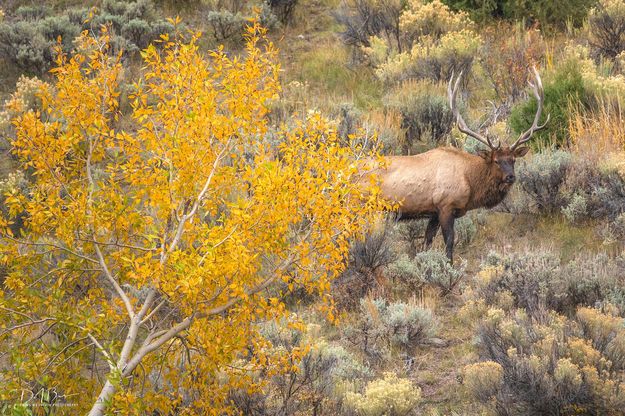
501 159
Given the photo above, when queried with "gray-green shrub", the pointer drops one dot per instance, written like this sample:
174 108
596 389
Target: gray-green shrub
406 273
602 191
226 25
542 176
27 39
433 268
408 324
538 281
381 324
465 230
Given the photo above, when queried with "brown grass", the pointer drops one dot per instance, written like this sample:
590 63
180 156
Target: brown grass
600 132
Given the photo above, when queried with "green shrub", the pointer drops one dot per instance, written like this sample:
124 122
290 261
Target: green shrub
314 383
22 44
317 382
614 230
53 27
138 32
32 12
405 271
550 13
577 209
483 380
349 120
564 91
412 232
542 176
465 230
408 40
529 278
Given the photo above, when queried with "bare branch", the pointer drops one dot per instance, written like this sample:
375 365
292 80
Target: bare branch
109 360
116 286
196 204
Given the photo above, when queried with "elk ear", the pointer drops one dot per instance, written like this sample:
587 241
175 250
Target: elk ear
485 154
521 151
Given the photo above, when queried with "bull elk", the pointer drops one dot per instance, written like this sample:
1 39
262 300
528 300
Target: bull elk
444 183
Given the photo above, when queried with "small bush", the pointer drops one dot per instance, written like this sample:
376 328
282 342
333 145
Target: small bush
483 380
317 382
381 325
542 176
551 365
536 281
363 19
349 117
390 396
28 40
507 52
602 190
22 44
283 9
576 210
32 12
408 325
366 260
465 230
606 23
614 230
405 271
429 41
412 232
138 32
226 25
426 117
552 14
433 268
314 382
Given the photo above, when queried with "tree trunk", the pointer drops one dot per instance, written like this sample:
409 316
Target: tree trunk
105 396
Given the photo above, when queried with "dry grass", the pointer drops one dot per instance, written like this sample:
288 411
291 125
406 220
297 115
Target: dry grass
600 132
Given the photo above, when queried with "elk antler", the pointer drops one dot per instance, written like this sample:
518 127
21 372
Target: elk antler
452 92
537 89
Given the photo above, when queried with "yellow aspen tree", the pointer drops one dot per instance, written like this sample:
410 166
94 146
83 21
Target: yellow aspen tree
154 235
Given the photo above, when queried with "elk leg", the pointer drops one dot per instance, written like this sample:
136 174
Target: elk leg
430 232
447 224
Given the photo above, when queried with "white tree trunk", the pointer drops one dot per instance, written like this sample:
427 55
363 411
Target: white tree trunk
105 396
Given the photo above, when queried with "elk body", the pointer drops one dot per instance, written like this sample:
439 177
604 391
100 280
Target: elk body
444 183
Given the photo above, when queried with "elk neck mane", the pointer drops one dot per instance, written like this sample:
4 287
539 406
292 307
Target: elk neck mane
488 188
